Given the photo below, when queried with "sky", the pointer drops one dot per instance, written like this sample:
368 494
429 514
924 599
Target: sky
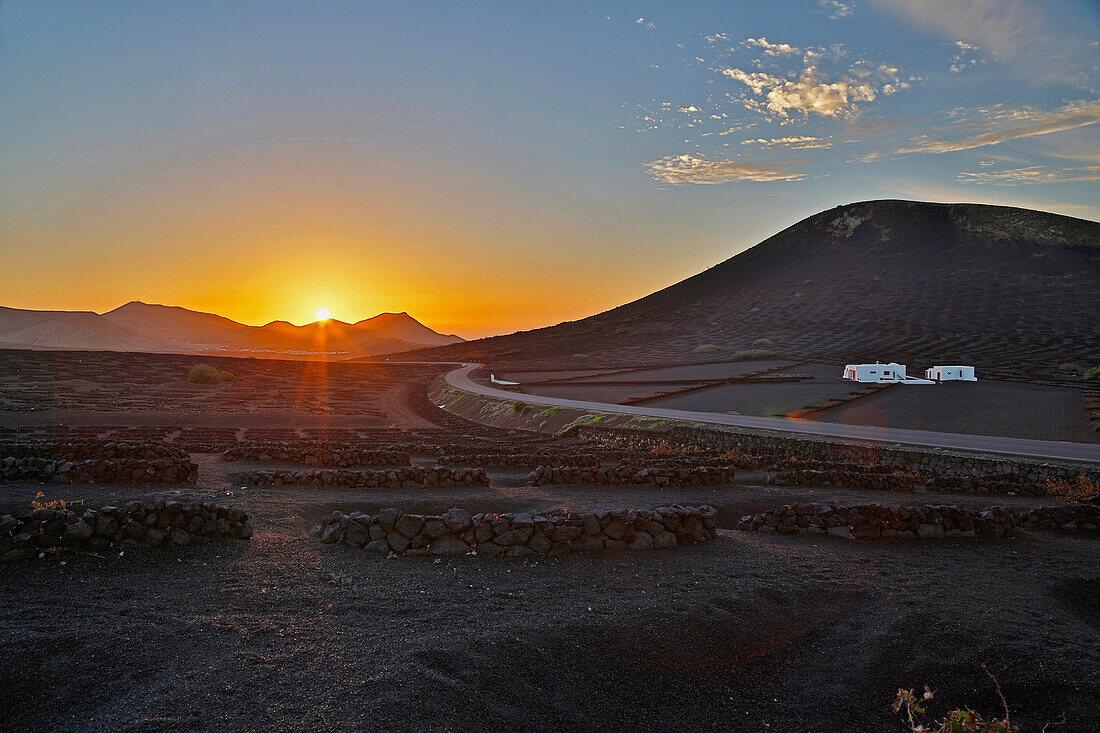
494 166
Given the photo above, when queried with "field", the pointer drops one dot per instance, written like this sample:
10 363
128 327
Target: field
1010 409
145 385
987 407
750 632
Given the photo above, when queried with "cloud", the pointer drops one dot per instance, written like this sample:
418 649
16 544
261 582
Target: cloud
835 9
812 90
1011 124
963 58
808 95
800 142
687 168
1018 32
1031 175
771 49
645 23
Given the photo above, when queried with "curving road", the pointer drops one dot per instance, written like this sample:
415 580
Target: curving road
1047 449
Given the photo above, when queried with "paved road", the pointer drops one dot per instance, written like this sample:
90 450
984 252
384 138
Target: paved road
1048 449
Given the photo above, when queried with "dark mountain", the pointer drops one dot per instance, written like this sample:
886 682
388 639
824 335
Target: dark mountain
403 327
383 334
140 326
171 323
70 329
1002 288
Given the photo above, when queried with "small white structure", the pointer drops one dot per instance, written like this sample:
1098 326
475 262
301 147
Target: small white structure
951 374
504 382
892 372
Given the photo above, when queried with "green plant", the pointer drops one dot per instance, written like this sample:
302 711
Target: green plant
759 343
1093 373
206 374
705 349
519 406
753 355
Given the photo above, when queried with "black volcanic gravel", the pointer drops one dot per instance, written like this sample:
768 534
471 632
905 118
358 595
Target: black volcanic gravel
752 632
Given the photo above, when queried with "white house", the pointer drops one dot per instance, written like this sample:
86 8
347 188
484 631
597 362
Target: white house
892 372
951 374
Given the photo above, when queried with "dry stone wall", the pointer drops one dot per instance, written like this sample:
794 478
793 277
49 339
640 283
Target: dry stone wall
28 532
881 478
868 521
1069 518
313 454
523 460
89 450
397 478
110 470
518 535
943 470
629 475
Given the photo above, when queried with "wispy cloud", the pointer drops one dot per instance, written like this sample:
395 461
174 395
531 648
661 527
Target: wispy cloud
797 142
771 49
1015 31
1008 124
1035 174
687 168
645 23
835 9
964 57
994 196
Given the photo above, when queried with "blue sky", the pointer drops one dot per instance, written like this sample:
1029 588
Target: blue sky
493 166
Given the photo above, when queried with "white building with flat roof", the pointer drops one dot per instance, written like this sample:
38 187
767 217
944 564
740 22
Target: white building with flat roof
951 374
892 372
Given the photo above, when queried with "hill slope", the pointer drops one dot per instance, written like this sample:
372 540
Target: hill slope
923 283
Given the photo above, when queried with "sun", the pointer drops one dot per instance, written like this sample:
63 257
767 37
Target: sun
323 314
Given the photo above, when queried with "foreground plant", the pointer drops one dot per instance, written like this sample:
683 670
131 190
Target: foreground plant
957 721
38 503
1084 490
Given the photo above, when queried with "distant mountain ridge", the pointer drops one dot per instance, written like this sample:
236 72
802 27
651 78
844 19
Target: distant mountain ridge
138 326
1009 290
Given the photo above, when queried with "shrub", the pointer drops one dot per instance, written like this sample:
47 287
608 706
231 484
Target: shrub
1093 373
40 503
206 374
957 721
519 406
759 343
705 349
1085 490
753 355
1069 366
